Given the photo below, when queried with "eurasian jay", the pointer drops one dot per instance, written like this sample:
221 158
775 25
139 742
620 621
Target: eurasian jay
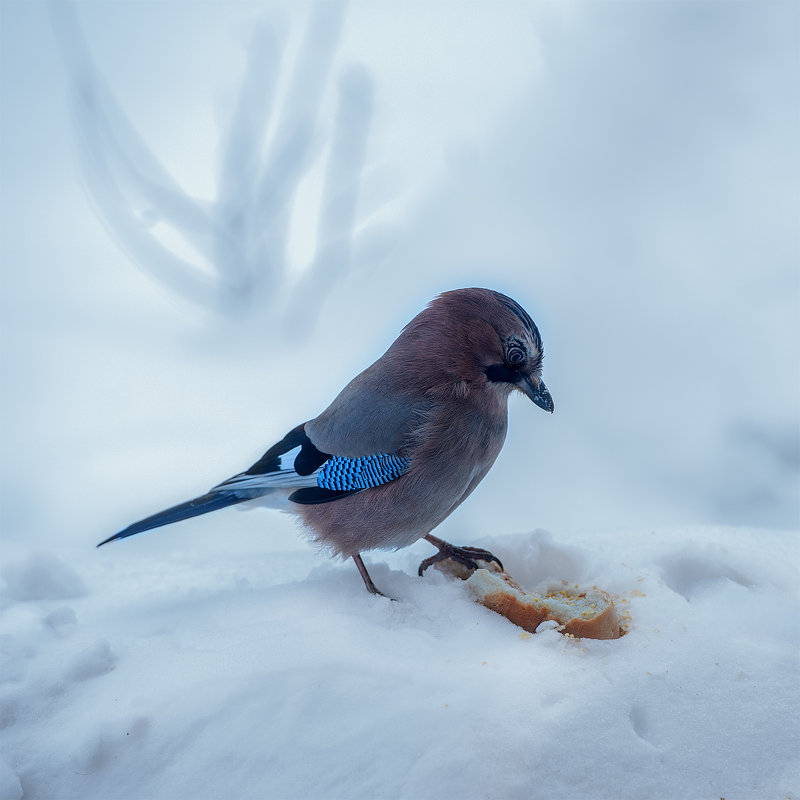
406 441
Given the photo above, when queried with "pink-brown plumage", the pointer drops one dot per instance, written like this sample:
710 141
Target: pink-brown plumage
451 424
436 401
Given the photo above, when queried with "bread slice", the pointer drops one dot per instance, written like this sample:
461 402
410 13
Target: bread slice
582 614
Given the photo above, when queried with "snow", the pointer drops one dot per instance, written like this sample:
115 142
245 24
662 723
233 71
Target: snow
275 675
629 173
41 576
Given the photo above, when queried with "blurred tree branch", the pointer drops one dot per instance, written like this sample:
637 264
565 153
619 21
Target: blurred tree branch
242 234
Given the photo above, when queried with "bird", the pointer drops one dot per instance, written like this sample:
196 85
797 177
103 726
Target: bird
405 442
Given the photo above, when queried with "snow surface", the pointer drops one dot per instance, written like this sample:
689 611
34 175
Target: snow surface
629 172
275 675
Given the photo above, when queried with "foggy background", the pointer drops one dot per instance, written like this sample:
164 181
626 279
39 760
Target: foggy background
214 215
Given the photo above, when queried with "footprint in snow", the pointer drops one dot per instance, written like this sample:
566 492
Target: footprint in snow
62 621
107 742
95 660
690 574
641 724
41 576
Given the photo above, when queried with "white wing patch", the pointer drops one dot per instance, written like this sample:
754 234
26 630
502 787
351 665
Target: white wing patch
282 478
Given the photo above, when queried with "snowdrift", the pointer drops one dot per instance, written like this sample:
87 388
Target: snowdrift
186 674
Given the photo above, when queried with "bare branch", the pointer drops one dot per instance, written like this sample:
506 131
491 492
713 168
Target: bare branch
242 235
344 169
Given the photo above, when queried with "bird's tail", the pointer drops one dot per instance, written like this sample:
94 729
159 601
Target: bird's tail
212 501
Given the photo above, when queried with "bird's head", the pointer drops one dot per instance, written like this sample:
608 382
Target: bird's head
479 337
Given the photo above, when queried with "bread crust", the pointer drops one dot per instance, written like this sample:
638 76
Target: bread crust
582 614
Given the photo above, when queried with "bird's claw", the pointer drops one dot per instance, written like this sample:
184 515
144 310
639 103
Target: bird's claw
468 556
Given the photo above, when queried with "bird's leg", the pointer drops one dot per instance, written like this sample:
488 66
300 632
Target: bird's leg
468 556
371 587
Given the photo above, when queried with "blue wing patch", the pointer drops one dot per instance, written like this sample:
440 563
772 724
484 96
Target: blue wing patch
349 474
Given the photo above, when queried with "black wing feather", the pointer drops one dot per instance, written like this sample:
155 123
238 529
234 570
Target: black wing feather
308 459
311 495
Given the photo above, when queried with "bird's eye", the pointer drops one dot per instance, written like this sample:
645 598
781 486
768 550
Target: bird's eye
515 356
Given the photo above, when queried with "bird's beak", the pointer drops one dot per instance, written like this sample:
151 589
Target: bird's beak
537 392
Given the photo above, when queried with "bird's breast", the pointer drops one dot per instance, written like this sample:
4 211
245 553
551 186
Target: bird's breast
457 448
449 453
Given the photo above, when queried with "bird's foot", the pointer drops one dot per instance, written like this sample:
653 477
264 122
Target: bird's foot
371 587
468 556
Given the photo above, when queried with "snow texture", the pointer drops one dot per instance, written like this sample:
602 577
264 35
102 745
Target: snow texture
278 676
628 172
